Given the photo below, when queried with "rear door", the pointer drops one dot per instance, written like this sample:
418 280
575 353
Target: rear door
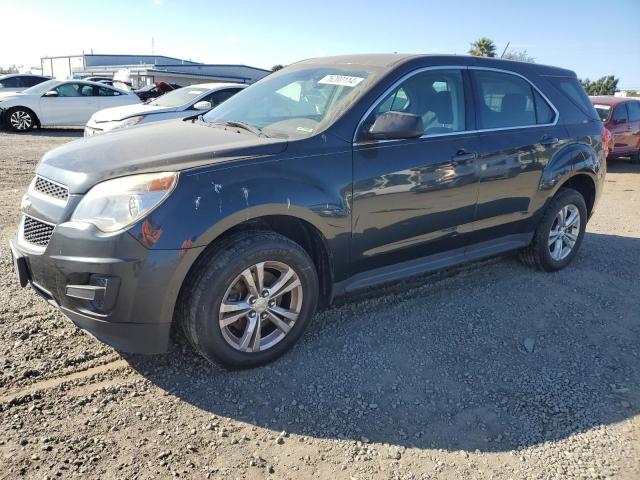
633 109
413 198
517 137
73 105
621 129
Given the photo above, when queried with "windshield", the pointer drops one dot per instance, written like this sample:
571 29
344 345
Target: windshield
603 111
42 87
299 103
178 97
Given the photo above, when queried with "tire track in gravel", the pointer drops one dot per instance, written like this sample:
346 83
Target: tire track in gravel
51 383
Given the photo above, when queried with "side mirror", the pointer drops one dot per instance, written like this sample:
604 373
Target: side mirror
203 105
51 93
396 125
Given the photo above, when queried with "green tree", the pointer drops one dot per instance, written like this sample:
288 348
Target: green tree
275 68
603 86
12 69
483 47
522 56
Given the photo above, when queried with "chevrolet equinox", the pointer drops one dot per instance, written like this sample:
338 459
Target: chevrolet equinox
329 176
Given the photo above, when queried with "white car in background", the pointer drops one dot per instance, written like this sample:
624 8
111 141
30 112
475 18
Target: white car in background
179 103
59 103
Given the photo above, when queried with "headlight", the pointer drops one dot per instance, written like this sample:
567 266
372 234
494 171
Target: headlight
116 204
128 122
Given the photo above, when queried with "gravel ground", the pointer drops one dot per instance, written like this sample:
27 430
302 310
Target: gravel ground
487 371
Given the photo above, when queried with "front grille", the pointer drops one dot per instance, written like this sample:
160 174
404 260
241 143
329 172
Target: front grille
36 232
51 189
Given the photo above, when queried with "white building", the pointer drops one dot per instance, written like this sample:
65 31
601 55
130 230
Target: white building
148 69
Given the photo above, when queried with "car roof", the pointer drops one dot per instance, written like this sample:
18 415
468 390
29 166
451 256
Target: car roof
24 75
389 60
216 85
610 99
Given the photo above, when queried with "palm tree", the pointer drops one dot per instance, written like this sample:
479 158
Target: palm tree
483 47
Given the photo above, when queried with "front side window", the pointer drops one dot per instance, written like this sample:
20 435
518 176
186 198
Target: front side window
216 98
436 96
506 101
620 114
296 103
70 90
633 109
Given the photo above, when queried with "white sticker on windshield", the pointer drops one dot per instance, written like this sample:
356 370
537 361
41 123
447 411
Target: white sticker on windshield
342 80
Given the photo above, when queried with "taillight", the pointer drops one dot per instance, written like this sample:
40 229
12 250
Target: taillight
606 139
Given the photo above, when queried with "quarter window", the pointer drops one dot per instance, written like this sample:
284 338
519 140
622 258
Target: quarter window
436 96
505 101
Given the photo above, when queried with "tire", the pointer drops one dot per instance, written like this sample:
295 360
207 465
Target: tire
635 158
218 278
20 119
547 256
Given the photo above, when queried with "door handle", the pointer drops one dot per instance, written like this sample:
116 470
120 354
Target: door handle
462 156
547 140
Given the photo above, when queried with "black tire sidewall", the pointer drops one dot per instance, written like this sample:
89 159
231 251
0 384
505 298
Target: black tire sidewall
11 111
564 197
216 278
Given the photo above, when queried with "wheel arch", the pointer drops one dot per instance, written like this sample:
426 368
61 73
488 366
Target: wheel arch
23 107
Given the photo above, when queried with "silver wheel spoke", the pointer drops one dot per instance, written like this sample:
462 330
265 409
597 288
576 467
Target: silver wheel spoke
281 324
250 282
572 237
572 220
553 236
295 284
260 275
231 319
283 312
284 278
234 306
557 249
247 336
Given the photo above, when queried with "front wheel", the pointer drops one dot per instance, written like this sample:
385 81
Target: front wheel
20 119
559 234
248 302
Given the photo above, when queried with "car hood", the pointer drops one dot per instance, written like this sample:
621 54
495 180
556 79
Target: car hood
171 145
6 95
115 114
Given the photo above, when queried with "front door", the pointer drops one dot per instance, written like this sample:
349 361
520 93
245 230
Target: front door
73 105
413 198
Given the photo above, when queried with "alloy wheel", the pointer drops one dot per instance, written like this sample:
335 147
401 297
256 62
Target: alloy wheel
564 232
20 120
261 306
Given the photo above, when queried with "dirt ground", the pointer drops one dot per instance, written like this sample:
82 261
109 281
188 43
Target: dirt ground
487 371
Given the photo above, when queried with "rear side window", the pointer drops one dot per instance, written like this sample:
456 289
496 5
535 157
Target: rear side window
31 81
107 92
604 111
572 89
634 111
506 101
11 82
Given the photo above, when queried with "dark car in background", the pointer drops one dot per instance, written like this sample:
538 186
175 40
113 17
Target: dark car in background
621 116
156 90
329 176
19 82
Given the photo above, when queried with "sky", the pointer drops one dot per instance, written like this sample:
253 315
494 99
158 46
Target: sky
593 38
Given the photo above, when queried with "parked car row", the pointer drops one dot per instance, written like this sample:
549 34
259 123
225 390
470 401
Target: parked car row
100 107
329 176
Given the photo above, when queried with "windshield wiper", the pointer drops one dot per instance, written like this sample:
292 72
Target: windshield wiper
245 126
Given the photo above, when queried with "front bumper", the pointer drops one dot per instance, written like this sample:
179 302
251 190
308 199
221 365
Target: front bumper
111 286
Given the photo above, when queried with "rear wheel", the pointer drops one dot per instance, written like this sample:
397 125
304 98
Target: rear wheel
635 158
20 119
559 234
250 301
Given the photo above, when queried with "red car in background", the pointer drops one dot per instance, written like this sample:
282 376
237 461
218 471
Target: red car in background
621 116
